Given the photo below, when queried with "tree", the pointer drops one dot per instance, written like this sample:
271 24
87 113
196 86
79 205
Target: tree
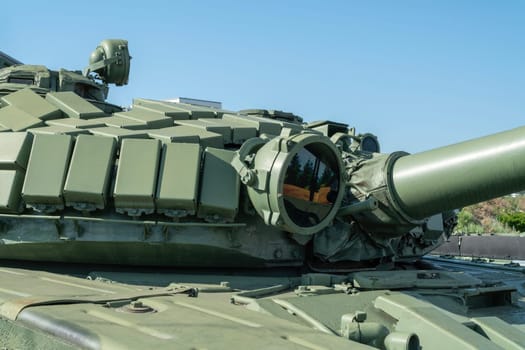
326 177
516 220
293 171
305 178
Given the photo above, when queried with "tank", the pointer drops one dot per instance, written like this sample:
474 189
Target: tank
184 225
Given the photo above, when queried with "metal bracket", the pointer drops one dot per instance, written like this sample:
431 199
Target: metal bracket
242 160
79 230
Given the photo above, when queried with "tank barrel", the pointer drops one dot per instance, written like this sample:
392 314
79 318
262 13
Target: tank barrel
462 174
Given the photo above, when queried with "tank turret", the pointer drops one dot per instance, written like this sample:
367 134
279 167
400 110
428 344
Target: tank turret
168 183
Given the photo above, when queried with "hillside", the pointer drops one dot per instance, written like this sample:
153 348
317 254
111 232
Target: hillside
500 215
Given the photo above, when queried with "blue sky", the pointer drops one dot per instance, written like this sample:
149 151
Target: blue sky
418 74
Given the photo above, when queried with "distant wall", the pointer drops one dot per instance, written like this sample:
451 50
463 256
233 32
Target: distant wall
488 246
